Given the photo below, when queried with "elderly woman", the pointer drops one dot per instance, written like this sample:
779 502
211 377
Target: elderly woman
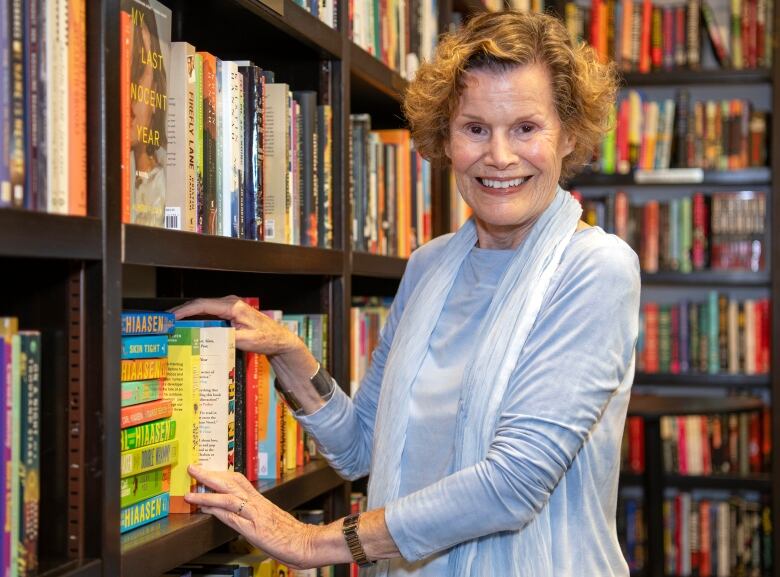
491 417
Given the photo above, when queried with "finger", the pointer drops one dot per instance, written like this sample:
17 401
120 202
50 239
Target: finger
215 480
225 501
244 485
240 524
216 307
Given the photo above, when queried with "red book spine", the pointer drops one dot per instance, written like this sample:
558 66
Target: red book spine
682 447
145 412
636 444
754 443
651 338
706 449
674 366
644 38
252 392
705 542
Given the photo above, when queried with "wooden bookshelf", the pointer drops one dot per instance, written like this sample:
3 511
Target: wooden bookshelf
712 278
697 77
747 178
703 380
374 265
41 235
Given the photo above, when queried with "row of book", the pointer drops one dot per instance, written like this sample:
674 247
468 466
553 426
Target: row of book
390 191
721 335
189 397
719 231
219 147
367 318
326 10
643 36
726 443
399 33
43 106
652 134
20 421
716 537
632 530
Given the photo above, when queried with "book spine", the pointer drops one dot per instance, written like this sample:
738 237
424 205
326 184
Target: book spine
276 122
145 412
147 458
139 487
209 207
144 512
29 459
144 347
57 105
198 142
144 369
136 392
6 197
17 141
237 176
147 323
125 57
16 446
77 107
177 131
147 434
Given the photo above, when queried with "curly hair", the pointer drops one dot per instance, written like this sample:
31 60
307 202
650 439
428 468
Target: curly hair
584 89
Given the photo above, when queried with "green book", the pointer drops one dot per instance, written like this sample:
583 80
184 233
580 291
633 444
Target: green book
143 486
137 392
147 434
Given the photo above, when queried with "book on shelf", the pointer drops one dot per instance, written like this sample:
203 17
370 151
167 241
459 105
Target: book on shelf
144 147
144 512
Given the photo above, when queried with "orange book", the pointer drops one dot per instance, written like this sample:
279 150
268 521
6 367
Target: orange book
402 139
644 38
77 107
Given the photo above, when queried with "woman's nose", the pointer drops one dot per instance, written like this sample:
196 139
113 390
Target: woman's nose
500 152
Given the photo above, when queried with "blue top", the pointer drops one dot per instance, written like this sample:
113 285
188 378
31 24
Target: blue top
586 329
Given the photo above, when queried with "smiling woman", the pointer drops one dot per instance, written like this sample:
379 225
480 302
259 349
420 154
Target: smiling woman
491 417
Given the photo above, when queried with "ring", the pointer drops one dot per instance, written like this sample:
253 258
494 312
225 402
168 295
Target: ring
241 508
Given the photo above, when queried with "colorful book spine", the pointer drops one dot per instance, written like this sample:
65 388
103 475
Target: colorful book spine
147 323
145 412
29 458
151 509
147 458
144 485
145 347
144 369
148 434
137 392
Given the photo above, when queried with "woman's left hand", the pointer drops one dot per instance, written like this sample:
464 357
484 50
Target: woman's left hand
238 505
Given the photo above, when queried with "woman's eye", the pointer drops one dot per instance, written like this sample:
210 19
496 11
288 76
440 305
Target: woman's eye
475 129
526 128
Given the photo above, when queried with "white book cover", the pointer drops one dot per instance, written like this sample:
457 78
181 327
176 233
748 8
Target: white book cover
57 105
237 157
217 397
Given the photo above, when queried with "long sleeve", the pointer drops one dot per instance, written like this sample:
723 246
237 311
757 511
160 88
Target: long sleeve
343 427
578 356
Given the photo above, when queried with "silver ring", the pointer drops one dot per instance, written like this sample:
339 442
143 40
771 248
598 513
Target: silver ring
241 508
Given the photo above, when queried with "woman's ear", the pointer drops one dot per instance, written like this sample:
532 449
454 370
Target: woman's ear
568 143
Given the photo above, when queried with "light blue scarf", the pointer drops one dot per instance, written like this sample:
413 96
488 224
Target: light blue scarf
498 346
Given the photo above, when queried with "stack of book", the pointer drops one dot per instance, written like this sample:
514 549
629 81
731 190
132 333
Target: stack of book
367 318
148 441
20 383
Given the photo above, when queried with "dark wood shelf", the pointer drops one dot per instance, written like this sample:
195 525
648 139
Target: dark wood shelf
160 546
702 380
367 70
654 406
71 568
696 77
288 17
632 479
159 247
708 277
747 177
753 482
25 233
374 265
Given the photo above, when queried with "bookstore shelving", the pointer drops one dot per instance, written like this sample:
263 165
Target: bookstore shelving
73 272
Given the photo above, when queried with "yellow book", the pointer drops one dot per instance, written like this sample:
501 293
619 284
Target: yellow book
148 458
290 439
182 387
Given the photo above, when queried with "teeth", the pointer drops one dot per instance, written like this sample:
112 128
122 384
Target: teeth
503 183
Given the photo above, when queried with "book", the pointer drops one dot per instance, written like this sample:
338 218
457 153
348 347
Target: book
275 162
136 392
145 412
147 323
145 347
147 434
142 486
29 455
150 48
144 459
143 369
182 388
144 512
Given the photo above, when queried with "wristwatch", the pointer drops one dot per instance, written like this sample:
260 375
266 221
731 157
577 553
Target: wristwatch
349 529
321 381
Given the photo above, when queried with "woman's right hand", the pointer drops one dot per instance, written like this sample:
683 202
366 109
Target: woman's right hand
292 362
255 332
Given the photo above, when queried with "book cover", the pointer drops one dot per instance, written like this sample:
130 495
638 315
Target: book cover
145 412
150 48
309 165
147 323
147 434
136 392
77 107
208 208
144 485
29 456
144 512
275 162
144 369
57 106
145 347
182 388
137 461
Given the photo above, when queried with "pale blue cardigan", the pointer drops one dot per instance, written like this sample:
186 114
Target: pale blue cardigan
558 440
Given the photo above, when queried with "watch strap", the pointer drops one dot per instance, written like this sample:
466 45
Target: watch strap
349 529
321 381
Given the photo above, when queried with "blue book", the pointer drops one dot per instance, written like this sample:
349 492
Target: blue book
145 347
202 323
147 323
144 512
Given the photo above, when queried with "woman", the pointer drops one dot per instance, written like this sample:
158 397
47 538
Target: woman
492 414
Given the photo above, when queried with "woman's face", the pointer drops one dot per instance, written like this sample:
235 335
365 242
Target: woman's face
506 146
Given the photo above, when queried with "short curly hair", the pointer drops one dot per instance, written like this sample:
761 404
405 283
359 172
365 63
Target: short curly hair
583 88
